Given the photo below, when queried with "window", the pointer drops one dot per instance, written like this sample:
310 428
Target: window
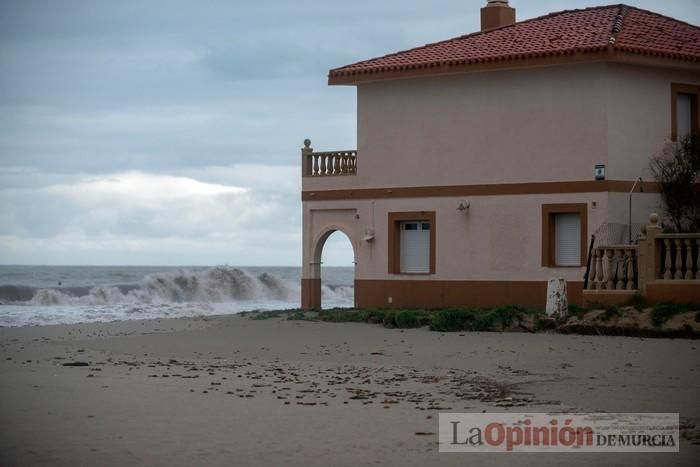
412 242
564 231
684 110
567 239
415 247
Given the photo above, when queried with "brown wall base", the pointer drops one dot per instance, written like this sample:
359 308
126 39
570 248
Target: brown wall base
673 291
606 297
311 294
443 294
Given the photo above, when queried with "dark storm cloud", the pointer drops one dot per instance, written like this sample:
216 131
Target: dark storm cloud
214 97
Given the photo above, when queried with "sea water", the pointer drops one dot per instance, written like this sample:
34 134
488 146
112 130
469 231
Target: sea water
37 295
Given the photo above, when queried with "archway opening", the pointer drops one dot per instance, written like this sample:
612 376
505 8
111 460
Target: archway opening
337 271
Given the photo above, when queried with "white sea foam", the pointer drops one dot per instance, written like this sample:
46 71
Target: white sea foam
214 285
177 293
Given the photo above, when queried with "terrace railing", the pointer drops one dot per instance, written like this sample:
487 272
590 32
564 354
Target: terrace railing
659 258
679 256
613 267
327 164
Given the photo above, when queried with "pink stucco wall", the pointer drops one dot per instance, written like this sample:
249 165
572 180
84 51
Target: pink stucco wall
533 125
639 116
498 238
530 125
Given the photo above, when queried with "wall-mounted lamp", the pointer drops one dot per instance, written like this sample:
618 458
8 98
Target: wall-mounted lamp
369 236
463 205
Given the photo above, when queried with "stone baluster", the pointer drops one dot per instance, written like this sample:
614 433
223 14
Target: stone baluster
688 259
610 270
666 264
600 282
323 165
630 270
317 168
620 269
679 261
591 274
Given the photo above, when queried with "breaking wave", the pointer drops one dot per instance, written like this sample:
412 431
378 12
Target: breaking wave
177 293
214 285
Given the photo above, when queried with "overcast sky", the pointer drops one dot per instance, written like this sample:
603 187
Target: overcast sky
168 132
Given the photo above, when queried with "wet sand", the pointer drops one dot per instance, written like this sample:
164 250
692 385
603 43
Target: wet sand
234 391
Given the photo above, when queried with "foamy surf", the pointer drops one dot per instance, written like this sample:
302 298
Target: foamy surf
175 293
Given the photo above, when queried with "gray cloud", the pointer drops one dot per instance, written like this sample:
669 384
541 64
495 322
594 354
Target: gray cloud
215 93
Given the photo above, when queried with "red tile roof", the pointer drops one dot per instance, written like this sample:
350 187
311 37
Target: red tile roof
619 28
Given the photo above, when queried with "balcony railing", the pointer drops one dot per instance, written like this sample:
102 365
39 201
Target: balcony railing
613 267
659 258
327 164
680 256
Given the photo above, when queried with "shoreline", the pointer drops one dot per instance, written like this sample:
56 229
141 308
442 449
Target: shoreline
231 390
681 322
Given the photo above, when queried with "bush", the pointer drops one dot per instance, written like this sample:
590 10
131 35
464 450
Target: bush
451 319
637 301
376 316
504 316
485 319
296 315
662 312
344 316
263 315
406 319
389 318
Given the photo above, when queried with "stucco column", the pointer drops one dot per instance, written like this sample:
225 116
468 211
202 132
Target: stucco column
647 253
311 268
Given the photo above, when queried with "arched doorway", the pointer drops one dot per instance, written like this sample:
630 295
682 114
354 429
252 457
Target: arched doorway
337 270
332 271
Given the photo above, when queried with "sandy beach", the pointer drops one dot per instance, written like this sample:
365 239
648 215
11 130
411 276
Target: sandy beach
229 390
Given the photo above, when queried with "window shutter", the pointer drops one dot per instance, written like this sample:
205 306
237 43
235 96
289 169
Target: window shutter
684 111
415 247
567 237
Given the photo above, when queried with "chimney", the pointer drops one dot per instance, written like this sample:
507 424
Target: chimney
497 13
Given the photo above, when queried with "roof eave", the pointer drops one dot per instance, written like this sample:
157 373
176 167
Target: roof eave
645 58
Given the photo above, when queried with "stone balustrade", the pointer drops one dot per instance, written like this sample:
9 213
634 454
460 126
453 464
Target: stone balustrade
326 164
679 258
613 267
661 267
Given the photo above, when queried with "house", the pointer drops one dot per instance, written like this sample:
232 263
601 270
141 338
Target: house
486 162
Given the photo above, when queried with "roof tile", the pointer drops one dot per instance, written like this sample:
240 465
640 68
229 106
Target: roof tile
619 27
